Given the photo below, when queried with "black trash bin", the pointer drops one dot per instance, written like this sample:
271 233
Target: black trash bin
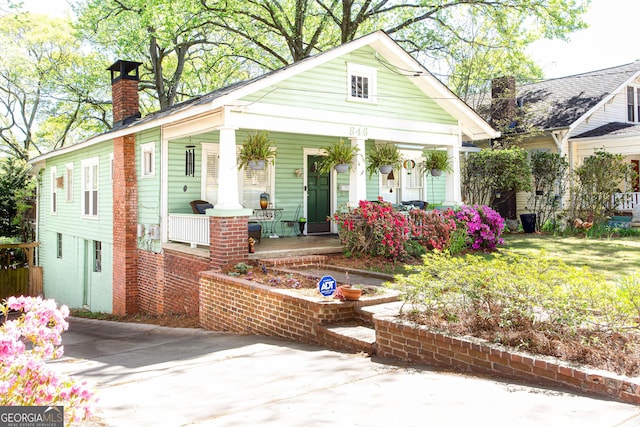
528 222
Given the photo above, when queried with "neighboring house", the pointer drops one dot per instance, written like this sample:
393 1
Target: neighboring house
112 207
579 114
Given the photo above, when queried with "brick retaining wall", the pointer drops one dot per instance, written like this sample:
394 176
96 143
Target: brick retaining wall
409 342
168 283
236 305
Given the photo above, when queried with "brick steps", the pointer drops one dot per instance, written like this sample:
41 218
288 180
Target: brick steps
356 336
348 337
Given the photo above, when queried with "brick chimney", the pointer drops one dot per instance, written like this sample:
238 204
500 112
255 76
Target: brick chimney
503 102
124 92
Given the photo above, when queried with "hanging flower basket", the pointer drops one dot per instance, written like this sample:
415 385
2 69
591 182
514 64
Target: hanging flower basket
342 168
385 169
256 164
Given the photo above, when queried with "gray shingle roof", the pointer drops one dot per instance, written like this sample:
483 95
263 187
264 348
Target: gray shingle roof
559 102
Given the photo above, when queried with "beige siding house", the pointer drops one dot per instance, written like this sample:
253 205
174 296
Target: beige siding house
579 114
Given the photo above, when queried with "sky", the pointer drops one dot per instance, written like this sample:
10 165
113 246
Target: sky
610 40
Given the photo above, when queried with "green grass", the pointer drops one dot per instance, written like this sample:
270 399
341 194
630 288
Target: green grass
613 258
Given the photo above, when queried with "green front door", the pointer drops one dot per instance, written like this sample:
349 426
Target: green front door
318 198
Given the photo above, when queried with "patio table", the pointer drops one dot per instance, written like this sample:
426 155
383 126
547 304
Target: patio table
269 217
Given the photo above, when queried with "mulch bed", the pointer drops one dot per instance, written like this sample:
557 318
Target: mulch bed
609 351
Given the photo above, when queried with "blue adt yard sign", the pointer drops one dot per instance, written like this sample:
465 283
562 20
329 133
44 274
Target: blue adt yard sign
327 286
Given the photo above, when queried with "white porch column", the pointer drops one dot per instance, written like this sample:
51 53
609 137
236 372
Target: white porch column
357 174
453 192
228 169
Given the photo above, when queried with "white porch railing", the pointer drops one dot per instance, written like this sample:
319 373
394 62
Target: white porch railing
189 228
626 201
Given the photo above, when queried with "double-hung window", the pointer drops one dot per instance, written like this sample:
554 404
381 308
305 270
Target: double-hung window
90 178
633 104
361 83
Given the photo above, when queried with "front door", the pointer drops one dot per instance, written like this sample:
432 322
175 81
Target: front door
318 198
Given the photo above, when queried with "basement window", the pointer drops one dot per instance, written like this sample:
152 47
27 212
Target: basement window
97 256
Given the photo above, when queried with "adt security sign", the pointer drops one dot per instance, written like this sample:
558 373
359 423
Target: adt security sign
327 286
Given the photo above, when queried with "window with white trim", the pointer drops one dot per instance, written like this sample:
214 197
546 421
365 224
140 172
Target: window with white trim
251 183
54 191
254 183
90 179
148 156
633 104
361 83
69 179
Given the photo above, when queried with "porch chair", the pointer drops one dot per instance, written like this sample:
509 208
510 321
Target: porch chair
287 224
200 207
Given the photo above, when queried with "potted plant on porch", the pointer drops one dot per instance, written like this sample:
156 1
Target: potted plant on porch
384 158
338 156
436 161
256 151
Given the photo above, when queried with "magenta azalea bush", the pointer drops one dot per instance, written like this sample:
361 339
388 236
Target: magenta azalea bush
484 226
373 228
29 337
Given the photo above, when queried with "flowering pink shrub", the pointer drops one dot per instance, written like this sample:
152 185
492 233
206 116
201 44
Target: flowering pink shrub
484 226
26 342
373 228
432 229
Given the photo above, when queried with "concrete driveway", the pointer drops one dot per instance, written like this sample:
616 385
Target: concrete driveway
147 375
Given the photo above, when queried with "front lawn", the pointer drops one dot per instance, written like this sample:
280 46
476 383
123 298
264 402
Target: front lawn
611 257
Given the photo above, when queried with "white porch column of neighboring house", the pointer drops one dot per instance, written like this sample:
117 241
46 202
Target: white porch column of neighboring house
228 171
357 174
453 192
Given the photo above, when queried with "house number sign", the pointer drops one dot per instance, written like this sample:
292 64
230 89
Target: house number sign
358 131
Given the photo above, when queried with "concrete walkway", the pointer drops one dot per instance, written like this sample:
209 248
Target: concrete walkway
147 375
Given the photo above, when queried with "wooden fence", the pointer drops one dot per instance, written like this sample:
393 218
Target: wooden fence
18 273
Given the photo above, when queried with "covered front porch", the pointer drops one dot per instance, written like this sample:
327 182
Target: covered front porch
276 248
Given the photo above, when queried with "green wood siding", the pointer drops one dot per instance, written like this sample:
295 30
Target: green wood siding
325 87
149 187
436 189
69 279
179 199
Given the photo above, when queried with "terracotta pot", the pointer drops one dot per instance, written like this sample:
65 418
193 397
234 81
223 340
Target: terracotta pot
351 294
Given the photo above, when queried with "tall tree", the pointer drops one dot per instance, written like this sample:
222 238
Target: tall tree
46 86
15 183
233 39
183 52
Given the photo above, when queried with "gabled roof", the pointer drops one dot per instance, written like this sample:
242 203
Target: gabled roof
474 126
561 102
565 102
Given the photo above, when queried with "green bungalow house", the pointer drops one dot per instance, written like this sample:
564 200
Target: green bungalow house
112 207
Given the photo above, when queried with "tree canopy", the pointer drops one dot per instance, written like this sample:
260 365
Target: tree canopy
49 89
54 89
202 44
